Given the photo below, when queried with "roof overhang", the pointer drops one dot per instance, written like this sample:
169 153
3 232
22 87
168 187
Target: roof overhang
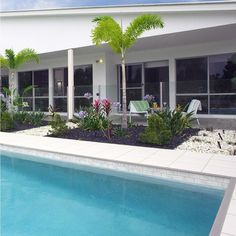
138 8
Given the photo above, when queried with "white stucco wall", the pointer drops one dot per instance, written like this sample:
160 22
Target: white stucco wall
48 31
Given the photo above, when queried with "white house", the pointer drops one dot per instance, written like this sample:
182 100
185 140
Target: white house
194 56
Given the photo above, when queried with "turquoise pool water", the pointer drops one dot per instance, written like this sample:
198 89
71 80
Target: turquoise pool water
40 199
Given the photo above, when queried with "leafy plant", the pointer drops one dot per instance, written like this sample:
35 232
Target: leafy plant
176 120
157 131
6 121
33 118
58 125
96 117
118 131
109 31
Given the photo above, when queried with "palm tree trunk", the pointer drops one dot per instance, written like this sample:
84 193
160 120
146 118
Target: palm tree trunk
11 87
124 124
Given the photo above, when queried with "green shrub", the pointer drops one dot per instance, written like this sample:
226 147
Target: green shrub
6 121
175 120
92 120
33 118
157 131
58 125
118 131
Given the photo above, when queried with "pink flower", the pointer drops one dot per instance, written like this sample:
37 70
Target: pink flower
96 105
106 103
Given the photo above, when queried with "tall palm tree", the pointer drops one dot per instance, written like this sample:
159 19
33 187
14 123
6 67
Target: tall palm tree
109 31
12 62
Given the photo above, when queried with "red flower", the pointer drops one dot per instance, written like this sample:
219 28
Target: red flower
106 103
96 105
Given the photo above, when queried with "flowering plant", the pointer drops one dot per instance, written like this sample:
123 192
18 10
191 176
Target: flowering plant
106 106
96 105
88 95
83 114
149 98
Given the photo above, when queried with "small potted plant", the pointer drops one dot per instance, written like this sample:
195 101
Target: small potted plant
150 99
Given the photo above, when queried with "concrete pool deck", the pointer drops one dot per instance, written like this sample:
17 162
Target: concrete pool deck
180 165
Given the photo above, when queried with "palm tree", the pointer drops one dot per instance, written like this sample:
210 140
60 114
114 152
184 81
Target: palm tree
109 31
12 62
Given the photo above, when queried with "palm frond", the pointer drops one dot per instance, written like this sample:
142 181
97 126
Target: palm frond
24 56
108 31
139 25
3 62
10 57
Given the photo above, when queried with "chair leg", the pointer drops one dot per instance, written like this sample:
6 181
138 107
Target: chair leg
198 122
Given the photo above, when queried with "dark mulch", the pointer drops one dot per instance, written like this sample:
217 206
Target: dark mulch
132 138
20 126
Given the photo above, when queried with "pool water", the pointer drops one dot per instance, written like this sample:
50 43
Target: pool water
40 199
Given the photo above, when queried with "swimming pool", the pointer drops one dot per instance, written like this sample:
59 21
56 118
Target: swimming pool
42 199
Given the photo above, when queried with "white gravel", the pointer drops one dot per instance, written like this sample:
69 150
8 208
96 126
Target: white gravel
204 142
207 142
43 130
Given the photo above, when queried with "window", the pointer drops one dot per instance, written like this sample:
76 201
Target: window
83 79
215 87
3 82
37 98
191 75
83 82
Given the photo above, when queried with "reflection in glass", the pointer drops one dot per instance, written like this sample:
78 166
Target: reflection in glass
41 104
83 79
60 81
222 73
191 75
60 104
81 102
4 83
25 80
133 76
153 77
223 104
185 100
41 83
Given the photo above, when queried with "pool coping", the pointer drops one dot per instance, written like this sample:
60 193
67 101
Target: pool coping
57 147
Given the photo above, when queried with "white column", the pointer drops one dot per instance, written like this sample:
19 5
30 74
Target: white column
172 83
50 87
70 89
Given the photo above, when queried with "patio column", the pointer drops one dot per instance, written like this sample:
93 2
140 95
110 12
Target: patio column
50 87
70 89
172 83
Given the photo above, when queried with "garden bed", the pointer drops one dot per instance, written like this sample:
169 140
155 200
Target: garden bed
21 126
132 137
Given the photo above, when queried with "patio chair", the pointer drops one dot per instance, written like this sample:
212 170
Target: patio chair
138 107
193 107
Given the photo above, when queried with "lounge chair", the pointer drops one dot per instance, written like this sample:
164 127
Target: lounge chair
193 107
138 107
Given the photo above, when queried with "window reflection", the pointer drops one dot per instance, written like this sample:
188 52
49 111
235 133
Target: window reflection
222 73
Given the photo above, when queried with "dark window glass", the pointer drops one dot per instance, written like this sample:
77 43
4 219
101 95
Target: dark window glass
41 104
29 102
222 73
41 83
60 104
60 81
83 80
25 80
133 76
80 103
191 75
223 104
132 95
185 100
153 77
4 82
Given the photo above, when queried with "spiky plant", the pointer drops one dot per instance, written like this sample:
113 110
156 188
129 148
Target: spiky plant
108 31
